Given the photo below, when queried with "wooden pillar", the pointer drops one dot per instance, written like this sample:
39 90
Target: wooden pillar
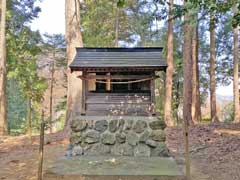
152 84
83 93
108 84
153 102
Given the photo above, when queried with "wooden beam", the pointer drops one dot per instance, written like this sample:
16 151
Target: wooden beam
153 101
116 77
83 112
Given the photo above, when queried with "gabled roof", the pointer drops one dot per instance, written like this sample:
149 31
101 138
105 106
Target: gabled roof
150 58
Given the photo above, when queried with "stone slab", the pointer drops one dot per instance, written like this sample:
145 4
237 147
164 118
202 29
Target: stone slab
114 168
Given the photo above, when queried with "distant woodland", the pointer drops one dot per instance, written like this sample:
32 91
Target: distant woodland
201 47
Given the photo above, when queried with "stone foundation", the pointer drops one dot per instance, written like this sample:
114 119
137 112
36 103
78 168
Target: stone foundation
118 136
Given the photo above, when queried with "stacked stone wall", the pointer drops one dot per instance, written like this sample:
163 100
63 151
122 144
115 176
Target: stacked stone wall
119 136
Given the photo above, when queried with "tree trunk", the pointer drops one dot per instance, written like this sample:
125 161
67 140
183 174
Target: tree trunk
196 105
117 27
41 148
235 72
29 119
3 72
51 95
73 40
169 73
213 103
187 87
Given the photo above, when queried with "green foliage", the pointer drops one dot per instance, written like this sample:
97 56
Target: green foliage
228 113
16 107
22 51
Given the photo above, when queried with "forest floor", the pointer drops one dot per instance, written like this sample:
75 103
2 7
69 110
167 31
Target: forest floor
215 152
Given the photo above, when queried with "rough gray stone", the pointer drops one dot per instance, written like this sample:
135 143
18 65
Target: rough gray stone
132 138
69 151
76 138
108 138
128 125
142 150
156 125
139 126
97 149
77 151
158 135
79 125
101 125
121 125
151 143
91 137
113 125
120 138
122 150
161 150
144 136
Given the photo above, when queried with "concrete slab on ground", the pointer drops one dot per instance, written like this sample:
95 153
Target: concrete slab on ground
114 168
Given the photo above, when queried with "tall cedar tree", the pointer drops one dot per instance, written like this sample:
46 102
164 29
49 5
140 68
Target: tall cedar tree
235 70
3 71
170 69
187 86
73 40
213 102
196 105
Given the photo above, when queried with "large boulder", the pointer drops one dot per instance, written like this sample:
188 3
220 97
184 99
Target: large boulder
76 138
144 136
113 125
139 126
122 150
97 149
101 125
158 124
78 125
91 137
120 138
108 138
132 139
77 151
158 135
142 150
161 150
151 143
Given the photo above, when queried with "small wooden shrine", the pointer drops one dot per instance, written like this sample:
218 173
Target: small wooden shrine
118 81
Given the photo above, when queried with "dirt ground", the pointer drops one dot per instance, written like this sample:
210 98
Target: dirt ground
215 152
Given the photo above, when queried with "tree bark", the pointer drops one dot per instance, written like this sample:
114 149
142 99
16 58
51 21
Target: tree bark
117 27
41 148
213 103
29 119
235 72
187 87
73 40
196 105
170 68
51 94
3 72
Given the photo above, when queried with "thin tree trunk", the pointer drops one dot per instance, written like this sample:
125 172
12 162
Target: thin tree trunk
3 72
117 27
170 68
196 106
187 88
51 95
41 149
235 72
29 119
73 40
213 103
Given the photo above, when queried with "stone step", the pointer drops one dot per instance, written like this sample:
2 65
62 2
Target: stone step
114 168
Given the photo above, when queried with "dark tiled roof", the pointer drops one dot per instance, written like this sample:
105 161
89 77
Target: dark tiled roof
118 58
